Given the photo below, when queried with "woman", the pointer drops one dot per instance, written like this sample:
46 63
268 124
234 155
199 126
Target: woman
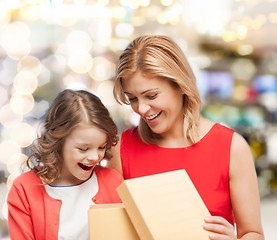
154 77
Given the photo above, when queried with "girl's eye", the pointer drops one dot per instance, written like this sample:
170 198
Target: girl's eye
83 149
103 147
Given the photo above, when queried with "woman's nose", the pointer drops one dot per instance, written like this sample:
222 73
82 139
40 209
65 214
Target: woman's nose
143 108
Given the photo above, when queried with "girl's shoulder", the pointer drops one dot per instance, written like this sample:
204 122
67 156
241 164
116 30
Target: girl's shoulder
27 178
107 171
27 184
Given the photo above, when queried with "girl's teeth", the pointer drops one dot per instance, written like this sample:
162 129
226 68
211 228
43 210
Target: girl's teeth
85 167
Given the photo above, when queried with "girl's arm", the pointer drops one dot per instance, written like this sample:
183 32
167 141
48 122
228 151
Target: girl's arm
19 218
244 195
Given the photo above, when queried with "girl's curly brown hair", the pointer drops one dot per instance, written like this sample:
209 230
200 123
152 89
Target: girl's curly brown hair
69 109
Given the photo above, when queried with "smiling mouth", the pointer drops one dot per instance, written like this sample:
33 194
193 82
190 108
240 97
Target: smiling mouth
84 167
153 116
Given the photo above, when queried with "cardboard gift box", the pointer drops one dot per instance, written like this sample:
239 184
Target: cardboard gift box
165 206
110 221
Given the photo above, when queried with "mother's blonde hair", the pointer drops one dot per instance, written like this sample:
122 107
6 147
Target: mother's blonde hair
160 57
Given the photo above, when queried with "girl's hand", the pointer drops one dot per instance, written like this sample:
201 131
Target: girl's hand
220 228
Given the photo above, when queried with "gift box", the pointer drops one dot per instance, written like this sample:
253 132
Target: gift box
165 206
110 221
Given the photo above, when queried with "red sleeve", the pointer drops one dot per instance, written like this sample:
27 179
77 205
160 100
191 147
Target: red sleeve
19 216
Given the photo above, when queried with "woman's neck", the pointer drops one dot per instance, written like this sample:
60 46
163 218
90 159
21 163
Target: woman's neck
176 138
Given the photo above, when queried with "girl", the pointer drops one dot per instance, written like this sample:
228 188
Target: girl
154 77
52 200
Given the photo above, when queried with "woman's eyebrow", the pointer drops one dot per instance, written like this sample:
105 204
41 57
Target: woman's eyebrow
148 90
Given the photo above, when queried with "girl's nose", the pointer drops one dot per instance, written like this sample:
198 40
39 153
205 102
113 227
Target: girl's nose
92 155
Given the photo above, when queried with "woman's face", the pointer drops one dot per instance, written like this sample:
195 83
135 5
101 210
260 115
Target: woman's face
157 101
82 151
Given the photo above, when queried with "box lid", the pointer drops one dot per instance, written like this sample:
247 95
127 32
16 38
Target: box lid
165 206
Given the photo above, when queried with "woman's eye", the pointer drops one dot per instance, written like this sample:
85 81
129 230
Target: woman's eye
132 99
152 96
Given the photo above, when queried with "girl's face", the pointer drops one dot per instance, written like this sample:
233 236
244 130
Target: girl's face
158 102
82 151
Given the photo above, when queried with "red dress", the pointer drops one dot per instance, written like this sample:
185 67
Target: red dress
206 162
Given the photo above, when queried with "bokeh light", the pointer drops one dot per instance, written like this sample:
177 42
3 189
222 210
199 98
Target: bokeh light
124 30
271 145
7 149
25 82
14 37
3 95
22 103
23 134
243 69
78 41
80 62
31 64
105 92
12 177
102 69
8 117
71 82
16 162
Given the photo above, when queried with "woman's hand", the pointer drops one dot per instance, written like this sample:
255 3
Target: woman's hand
220 228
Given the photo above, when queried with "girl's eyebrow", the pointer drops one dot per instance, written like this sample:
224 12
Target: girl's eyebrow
87 144
82 143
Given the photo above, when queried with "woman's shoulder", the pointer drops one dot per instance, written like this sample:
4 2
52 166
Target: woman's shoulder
239 143
223 133
209 127
131 138
130 131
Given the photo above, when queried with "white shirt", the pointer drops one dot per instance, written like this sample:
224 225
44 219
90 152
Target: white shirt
76 201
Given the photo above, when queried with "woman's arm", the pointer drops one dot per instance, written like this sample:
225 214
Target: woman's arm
244 190
115 161
244 195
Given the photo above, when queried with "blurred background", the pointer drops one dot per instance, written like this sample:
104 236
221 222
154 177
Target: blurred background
47 46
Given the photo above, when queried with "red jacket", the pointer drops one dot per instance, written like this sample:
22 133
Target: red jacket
33 214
